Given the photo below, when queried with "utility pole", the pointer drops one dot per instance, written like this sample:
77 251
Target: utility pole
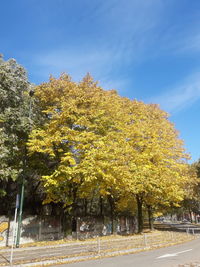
31 93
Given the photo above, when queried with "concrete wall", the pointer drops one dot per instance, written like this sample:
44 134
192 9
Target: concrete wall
34 228
41 228
88 227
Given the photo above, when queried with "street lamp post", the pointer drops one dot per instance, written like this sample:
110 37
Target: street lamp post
31 93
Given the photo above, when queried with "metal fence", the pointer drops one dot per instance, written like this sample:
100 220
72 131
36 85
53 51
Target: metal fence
103 245
97 247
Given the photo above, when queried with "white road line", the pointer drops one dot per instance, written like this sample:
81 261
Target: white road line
173 254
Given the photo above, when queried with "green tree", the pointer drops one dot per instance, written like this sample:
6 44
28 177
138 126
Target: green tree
15 122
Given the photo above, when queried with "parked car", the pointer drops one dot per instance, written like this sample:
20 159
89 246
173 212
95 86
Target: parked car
159 219
185 221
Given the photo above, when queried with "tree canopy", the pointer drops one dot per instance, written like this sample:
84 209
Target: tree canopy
14 122
88 143
99 142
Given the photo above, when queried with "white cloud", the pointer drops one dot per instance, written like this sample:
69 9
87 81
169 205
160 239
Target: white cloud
125 29
128 33
191 43
181 96
76 63
97 63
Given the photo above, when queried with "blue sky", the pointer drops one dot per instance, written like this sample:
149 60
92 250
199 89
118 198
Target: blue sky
146 49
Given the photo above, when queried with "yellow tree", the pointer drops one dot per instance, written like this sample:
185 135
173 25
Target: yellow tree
81 118
158 163
145 158
97 140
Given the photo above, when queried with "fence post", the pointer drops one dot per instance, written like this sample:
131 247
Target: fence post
169 235
98 245
186 230
40 229
145 240
193 231
172 235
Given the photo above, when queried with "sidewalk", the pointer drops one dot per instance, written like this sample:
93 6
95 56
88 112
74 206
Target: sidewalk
45 253
83 250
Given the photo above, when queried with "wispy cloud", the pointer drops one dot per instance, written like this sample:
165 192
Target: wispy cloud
181 96
75 62
191 43
98 63
116 36
119 38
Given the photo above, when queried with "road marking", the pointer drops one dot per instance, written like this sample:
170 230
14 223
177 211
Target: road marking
173 254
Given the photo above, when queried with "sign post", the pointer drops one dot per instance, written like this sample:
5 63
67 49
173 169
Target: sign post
14 228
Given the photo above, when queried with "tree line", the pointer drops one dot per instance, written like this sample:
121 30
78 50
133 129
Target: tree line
78 145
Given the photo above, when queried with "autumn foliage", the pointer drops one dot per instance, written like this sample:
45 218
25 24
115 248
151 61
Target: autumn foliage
105 145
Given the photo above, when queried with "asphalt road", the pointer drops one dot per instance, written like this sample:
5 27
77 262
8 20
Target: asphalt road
165 257
178 227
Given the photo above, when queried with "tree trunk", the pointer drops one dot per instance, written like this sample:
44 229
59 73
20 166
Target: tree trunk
85 207
110 199
101 206
150 216
190 213
195 216
139 214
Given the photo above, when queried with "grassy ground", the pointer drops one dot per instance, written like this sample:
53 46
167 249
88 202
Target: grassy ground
152 237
